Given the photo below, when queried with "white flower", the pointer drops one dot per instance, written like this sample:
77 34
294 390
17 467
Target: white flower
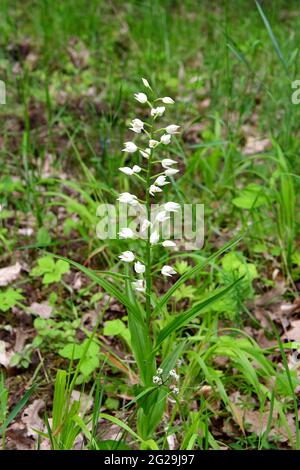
171 206
141 97
136 169
139 285
168 271
154 189
130 147
167 162
159 371
139 267
165 139
162 216
167 100
168 244
146 83
156 380
159 111
137 126
172 129
145 153
130 171
153 143
161 181
171 171
146 223
154 237
127 198
127 256
172 373
174 389
126 232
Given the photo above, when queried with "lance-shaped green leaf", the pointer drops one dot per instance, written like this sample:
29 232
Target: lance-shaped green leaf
192 272
183 319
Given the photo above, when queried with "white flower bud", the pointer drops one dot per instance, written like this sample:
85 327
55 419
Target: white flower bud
168 271
168 244
141 97
167 100
126 232
127 256
130 147
159 111
145 153
153 143
154 189
171 171
172 129
137 126
162 216
154 238
161 181
127 198
167 162
145 225
165 139
146 83
139 285
139 267
172 206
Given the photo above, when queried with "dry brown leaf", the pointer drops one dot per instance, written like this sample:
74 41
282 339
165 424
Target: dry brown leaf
255 145
5 356
31 418
9 274
42 309
294 333
86 402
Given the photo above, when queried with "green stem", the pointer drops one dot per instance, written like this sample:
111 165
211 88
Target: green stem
148 244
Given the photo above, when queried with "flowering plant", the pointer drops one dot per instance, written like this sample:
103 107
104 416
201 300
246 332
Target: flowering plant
153 330
156 383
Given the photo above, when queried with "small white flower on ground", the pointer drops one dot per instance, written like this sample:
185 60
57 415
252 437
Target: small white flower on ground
159 371
161 181
127 256
145 153
130 147
137 126
154 189
126 232
167 100
139 267
141 97
139 285
162 216
127 198
153 143
154 238
156 380
171 171
168 244
168 271
171 206
172 129
146 83
130 171
165 139
167 162
159 111
145 225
